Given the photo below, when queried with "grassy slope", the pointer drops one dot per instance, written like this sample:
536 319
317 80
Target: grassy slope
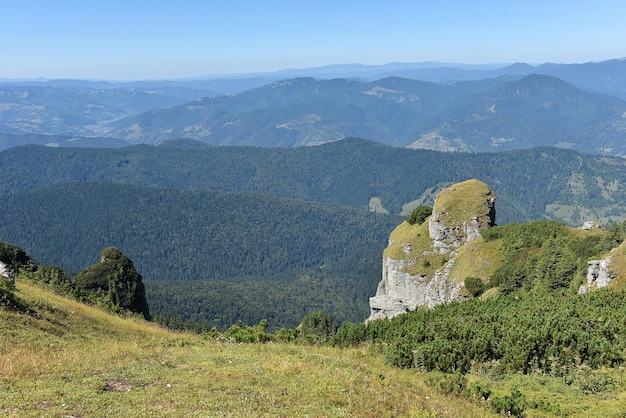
67 359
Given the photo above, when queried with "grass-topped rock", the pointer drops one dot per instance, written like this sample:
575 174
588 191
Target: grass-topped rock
461 212
421 255
114 282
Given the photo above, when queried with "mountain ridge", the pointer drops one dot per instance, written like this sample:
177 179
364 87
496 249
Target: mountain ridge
314 111
397 112
572 187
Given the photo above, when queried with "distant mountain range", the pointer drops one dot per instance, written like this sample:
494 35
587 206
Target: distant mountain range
451 108
477 116
604 76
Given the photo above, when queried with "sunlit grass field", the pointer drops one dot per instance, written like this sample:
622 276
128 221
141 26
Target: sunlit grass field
65 359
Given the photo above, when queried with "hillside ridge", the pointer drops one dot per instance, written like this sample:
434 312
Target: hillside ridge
64 358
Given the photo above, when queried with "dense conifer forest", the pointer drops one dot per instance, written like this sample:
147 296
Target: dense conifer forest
545 182
206 256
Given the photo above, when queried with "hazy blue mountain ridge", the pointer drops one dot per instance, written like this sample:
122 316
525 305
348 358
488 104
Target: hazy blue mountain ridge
16 140
535 110
267 110
605 76
72 111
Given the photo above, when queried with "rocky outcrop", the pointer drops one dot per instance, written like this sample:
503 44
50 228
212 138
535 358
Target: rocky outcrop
4 270
588 225
598 275
409 276
460 214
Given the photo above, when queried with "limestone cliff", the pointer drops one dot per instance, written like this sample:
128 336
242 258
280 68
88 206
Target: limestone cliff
418 263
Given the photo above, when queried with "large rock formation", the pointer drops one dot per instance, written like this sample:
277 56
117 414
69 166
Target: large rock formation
608 271
419 259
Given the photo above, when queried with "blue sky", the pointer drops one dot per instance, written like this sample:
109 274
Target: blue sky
124 40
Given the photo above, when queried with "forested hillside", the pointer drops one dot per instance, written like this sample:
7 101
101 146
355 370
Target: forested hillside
16 140
253 256
529 184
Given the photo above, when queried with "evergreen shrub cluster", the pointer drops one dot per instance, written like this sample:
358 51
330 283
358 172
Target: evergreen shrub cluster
547 332
419 215
547 254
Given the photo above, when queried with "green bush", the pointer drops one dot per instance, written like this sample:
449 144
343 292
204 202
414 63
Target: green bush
318 327
53 276
400 353
8 299
478 392
474 286
545 406
513 405
15 258
348 335
240 333
419 215
448 384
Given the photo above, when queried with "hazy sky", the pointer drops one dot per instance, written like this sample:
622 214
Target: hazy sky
137 39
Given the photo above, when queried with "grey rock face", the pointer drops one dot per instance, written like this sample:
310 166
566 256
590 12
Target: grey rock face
447 238
4 270
399 292
598 275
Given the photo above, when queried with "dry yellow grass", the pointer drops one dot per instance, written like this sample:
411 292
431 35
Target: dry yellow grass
68 359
